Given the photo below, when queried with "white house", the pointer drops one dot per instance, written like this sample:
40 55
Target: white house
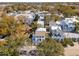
39 35
67 24
55 31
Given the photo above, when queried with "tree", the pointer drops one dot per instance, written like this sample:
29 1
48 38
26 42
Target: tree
68 11
6 24
12 45
34 26
47 19
50 47
17 38
55 17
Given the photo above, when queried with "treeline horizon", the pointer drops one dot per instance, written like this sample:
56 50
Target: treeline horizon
68 3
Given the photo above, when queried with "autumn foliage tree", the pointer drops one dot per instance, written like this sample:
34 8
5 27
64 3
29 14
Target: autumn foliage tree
16 38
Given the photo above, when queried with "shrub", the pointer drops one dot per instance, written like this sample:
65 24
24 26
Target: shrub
67 42
50 47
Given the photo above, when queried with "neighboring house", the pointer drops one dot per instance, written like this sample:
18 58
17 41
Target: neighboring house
67 25
55 31
27 17
40 24
39 35
30 16
59 29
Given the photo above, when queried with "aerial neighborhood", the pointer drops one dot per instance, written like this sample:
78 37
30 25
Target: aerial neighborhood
36 26
57 30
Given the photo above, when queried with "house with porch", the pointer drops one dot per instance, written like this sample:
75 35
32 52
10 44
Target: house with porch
39 35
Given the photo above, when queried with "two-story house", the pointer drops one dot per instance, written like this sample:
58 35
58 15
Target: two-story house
56 31
39 35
